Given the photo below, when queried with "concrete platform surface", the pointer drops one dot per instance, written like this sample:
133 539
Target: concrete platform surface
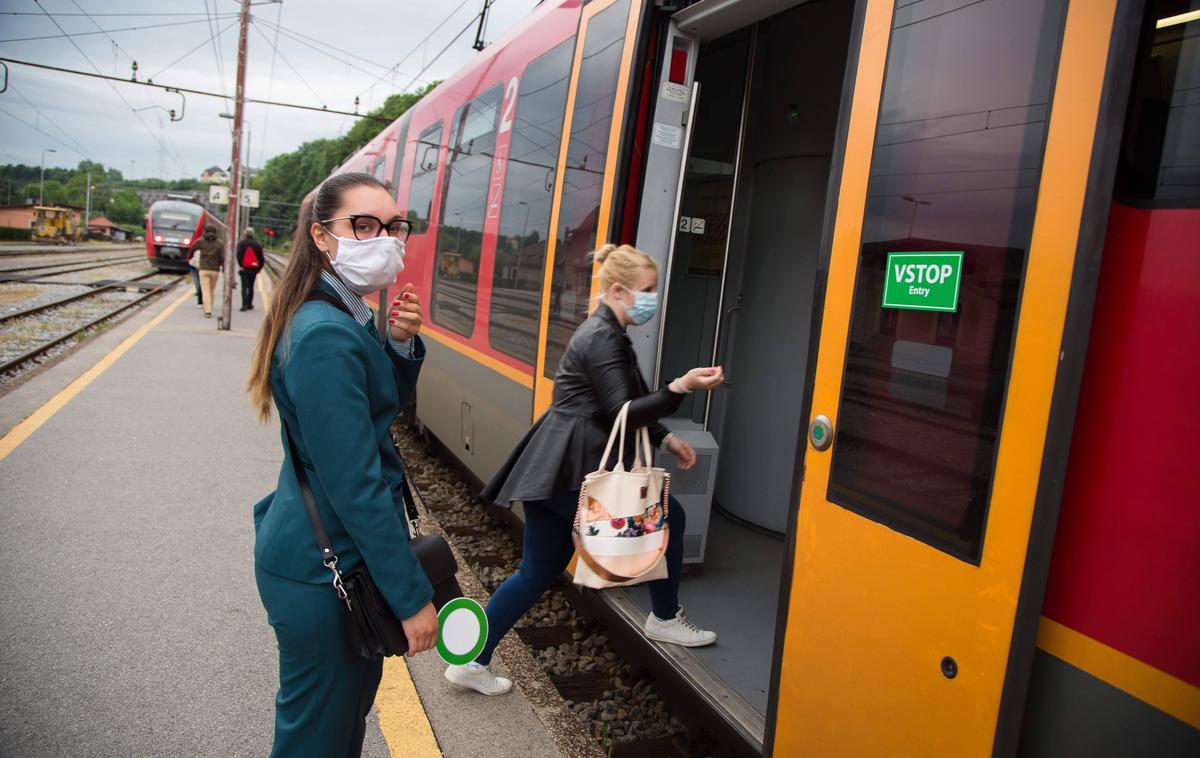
131 624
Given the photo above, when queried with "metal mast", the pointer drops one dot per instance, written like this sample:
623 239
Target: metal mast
235 176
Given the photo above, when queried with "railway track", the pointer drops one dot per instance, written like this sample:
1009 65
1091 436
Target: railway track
45 346
621 701
21 273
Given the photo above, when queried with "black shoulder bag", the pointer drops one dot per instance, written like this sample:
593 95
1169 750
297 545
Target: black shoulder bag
372 631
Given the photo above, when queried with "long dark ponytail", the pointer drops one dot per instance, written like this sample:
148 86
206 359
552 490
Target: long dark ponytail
304 267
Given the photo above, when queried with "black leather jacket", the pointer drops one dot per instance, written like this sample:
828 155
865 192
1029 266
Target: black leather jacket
597 375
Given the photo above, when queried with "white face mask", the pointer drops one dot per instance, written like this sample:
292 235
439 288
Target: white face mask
368 265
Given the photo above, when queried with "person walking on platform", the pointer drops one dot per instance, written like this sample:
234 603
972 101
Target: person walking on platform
337 387
212 260
250 259
597 375
194 268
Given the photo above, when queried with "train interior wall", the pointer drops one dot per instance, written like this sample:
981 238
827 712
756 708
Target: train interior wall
762 215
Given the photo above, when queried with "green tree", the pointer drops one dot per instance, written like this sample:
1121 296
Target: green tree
126 208
288 177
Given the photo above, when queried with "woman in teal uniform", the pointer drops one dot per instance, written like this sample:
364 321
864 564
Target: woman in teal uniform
338 387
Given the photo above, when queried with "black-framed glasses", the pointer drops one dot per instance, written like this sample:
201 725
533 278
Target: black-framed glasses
366 227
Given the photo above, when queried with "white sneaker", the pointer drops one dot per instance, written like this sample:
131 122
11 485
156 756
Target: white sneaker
479 678
678 631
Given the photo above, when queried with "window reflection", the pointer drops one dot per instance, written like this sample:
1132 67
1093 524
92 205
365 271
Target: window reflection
401 144
1160 152
464 203
425 166
583 182
525 214
956 165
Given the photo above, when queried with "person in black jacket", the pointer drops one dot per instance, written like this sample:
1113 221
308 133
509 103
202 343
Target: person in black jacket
598 374
250 261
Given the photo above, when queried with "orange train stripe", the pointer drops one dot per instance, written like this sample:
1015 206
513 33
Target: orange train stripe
1155 687
523 379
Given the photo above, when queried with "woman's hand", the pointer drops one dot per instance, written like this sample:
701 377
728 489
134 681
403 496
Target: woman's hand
404 317
683 452
421 629
703 379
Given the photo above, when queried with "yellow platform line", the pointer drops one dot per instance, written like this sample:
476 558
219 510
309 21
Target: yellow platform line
402 717
21 432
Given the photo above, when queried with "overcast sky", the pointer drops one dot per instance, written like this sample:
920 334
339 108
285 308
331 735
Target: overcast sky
360 42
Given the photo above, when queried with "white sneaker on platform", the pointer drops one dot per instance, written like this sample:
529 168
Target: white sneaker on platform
678 631
479 678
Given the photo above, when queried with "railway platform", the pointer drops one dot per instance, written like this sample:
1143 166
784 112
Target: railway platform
132 625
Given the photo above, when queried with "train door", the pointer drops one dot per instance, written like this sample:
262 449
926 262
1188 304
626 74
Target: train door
740 234
957 292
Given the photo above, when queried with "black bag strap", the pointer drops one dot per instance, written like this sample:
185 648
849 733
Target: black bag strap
310 505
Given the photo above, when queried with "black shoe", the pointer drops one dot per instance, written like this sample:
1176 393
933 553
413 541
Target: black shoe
243 309
207 315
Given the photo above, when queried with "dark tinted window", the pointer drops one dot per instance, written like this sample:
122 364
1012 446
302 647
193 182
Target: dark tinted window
464 202
587 151
1160 149
401 143
525 214
957 160
425 166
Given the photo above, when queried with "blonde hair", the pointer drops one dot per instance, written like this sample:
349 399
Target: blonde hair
622 265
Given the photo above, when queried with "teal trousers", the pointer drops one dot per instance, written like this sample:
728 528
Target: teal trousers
324 696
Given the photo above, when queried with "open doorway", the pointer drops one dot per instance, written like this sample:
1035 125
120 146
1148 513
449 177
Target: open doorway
739 293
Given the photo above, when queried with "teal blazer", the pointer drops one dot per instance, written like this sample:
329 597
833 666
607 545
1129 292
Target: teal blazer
339 389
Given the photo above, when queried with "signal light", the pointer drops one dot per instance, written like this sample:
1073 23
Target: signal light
158 238
187 240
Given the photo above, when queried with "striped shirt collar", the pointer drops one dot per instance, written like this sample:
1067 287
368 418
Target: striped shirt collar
362 312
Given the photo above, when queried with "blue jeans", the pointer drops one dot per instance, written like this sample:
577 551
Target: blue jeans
547 550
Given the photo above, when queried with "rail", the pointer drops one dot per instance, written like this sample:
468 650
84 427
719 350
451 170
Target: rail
45 347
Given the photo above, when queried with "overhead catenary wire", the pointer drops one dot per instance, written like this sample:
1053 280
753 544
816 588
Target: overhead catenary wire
320 47
41 131
217 52
165 137
288 63
114 89
189 90
78 147
183 57
262 141
107 31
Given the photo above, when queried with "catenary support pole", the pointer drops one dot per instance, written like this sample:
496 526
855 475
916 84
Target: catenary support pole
235 177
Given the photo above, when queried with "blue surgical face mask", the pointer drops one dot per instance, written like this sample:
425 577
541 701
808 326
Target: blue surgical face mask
643 308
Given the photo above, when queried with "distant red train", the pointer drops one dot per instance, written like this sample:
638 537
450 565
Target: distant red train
172 228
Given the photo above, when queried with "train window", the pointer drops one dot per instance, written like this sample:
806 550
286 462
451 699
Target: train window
401 144
1160 151
525 213
464 204
956 165
379 169
425 168
583 183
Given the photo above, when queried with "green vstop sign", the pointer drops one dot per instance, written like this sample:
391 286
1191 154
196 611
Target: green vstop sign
923 281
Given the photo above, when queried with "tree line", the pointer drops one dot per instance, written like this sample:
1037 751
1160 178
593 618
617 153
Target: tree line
282 182
113 196
285 179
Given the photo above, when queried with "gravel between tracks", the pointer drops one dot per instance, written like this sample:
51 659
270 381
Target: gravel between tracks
617 703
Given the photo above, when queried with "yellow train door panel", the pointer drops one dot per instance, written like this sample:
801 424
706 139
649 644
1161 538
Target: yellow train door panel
958 218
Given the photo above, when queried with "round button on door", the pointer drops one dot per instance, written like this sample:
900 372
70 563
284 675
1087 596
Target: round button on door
820 432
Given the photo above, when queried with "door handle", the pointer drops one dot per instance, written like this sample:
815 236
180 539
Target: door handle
725 346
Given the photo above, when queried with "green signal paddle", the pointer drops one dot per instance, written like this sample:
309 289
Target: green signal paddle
462 631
